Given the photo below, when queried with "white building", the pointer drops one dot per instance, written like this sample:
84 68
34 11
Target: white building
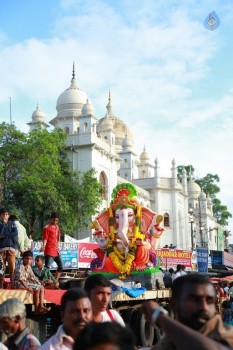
107 145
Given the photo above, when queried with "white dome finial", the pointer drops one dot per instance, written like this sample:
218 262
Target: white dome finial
109 105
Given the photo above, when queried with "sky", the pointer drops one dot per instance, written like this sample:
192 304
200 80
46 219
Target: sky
171 78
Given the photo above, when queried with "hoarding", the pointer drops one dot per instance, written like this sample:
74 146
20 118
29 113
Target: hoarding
173 257
202 260
69 254
216 257
86 254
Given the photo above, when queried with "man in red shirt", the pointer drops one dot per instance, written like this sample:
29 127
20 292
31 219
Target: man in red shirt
51 241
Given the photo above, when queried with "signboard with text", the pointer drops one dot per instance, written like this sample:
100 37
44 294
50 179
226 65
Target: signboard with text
216 257
86 254
202 260
69 254
173 257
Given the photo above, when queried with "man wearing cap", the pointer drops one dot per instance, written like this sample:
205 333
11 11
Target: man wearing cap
51 241
8 242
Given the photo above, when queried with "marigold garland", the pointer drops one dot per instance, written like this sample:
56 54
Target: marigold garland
124 264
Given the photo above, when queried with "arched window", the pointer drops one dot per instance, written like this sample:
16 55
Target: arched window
126 176
67 130
85 127
143 174
104 183
166 220
125 162
78 129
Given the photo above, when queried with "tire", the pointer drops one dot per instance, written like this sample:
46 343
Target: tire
146 332
143 331
158 334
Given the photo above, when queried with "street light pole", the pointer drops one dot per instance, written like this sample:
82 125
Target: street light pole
191 223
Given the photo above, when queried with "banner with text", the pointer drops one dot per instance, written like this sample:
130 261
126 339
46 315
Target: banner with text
69 254
202 260
86 254
173 257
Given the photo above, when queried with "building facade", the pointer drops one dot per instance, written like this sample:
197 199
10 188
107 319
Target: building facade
107 145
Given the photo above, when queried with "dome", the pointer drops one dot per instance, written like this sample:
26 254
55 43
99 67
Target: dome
107 123
203 195
38 115
145 157
120 128
72 99
88 108
194 190
127 144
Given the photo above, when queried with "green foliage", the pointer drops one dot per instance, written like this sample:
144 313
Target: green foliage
189 169
36 178
209 185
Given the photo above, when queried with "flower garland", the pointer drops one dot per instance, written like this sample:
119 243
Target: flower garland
122 263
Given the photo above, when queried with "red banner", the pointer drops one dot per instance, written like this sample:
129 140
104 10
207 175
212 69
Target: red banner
86 254
173 257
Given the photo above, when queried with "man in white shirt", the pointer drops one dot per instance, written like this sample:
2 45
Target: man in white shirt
76 313
23 240
99 291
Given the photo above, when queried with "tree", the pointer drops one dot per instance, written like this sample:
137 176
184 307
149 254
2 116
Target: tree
189 170
209 185
36 178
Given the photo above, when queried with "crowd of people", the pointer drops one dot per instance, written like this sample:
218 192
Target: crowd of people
15 251
87 322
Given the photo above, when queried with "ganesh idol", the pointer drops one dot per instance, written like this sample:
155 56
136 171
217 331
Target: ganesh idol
125 243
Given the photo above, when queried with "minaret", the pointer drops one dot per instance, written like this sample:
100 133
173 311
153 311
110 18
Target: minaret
174 173
109 105
157 173
184 181
38 118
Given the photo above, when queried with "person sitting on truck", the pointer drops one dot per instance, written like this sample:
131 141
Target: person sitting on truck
76 313
197 324
105 336
12 322
24 278
43 274
99 291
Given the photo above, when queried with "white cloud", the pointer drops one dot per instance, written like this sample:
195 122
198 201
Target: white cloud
158 60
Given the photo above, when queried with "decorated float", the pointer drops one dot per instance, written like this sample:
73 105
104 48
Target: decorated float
127 234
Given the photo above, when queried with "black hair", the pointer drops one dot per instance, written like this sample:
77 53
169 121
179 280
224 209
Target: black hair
41 257
72 295
54 215
27 253
13 217
94 281
105 333
171 270
180 282
3 210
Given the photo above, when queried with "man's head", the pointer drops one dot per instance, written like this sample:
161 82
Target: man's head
99 291
54 218
27 257
76 311
105 336
39 261
12 316
193 300
13 217
4 215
